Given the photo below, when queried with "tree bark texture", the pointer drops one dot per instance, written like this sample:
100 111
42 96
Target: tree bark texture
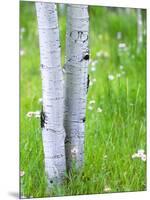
76 80
53 133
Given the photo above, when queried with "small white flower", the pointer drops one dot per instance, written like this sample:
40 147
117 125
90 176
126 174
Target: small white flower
107 189
140 152
99 110
22 52
123 72
90 61
30 114
92 102
118 75
135 155
98 54
22 173
90 108
103 54
119 35
122 45
106 54
121 67
93 69
40 100
22 30
93 63
143 157
35 114
110 77
91 83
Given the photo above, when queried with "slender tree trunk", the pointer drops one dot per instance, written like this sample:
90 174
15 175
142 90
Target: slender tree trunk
139 29
52 88
76 73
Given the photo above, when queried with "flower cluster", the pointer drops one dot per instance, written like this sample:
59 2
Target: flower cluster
140 154
35 114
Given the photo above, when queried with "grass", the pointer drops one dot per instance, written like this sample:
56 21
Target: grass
113 135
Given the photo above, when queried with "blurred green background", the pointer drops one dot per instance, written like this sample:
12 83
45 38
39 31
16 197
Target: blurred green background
116 105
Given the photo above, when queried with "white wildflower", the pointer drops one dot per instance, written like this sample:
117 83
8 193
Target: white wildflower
118 75
123 72
90 61
98 54
22 52
93 63
35 114
121 67
91 83
122 46
22 173
119 35
93 69
143 157
30 114
94 80
135 155
110 77
106 54
140 154
90 108
103 54
92 102
22 30
99 110
40 100
107 189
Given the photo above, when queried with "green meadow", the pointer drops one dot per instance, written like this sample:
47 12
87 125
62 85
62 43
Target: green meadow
115 112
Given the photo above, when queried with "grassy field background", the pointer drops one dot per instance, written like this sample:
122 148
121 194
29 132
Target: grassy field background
116 106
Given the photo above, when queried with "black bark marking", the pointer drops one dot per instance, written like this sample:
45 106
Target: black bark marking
79 36
86 57
88 82
67 141
84 119
43 118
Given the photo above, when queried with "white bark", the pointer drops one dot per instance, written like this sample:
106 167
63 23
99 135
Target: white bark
53 133
76 70
139 29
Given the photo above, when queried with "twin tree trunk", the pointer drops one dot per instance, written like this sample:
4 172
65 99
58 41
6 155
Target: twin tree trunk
76 70
64 103
53 133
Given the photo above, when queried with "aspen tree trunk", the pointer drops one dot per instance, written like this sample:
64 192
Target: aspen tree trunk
76 72
53 133
139 29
